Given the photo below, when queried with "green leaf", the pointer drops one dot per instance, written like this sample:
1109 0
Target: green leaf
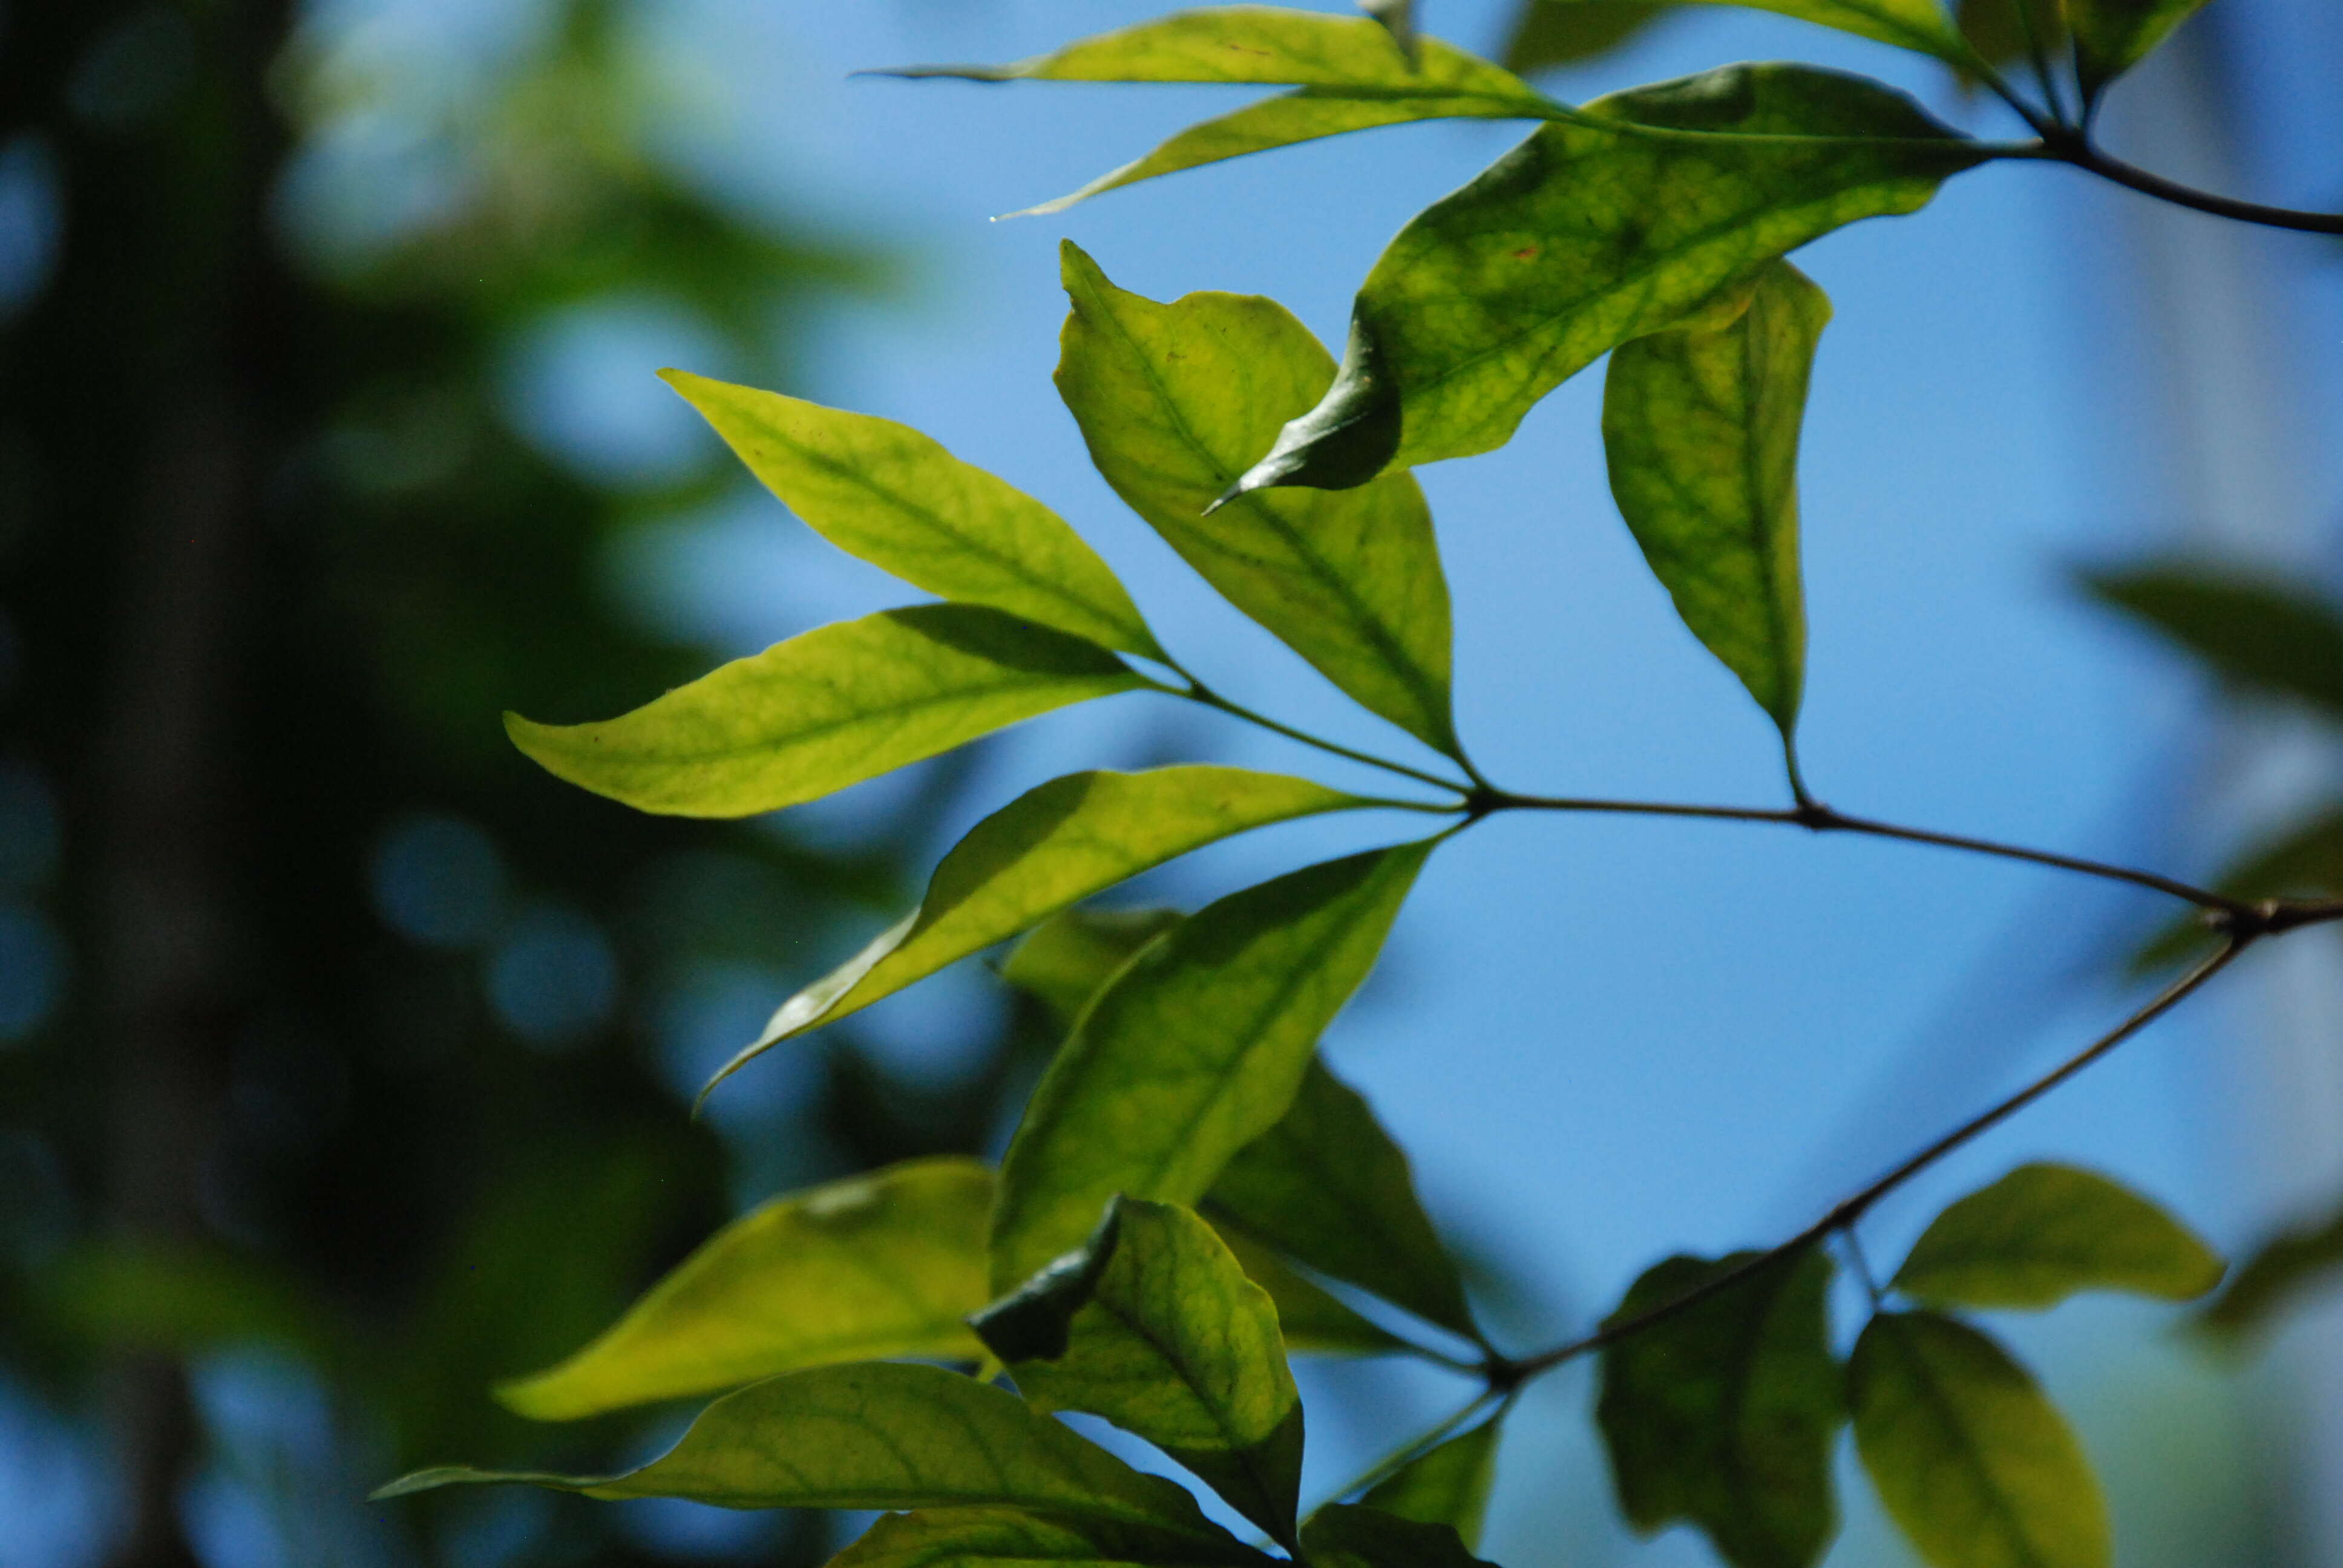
1155 1327
1055 845
2269 635
1724 1414
2111 36
1173 400
1996 29
1700 427
1347 1535
887 1264
1259 46
981 1537
2305 860
1584 237
1448 1485
2045 1231
1397 17
1547 33
840 704
1194 1050
891 495
1313 1322
1915 25
1067 957
1971 1460
879 1434
2278 1274
1327 1186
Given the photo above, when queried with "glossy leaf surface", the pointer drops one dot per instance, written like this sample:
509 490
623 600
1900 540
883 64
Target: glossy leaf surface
2045 1231
1724 1414
1311 1320
896 498
1053 846
1448 1485
1582 238
1345 1535
2278 1274
1194 1050
1973 1463
980 1537
839 705
1067 957
879 1434
1327 1185
887 1264
2269 635
1174 400
1700 429
2111 36
1155 1327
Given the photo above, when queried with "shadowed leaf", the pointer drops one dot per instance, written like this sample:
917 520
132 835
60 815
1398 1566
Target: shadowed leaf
2045 1231
1547 33
2269 635
981 1537
1313 1322
1449 1485
1996 30
1067 957
2276 1277
1345 1535
2111 36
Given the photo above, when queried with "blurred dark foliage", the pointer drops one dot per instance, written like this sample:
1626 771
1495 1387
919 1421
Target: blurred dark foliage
327 1039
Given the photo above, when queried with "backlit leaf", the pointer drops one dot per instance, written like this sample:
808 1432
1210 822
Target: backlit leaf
1345 1535
840 704
1971 1460
1067 957
1915 25
879 1434
1584 238
2111 36
2306 1257
1700 427
2266 635
890 495
1155 1327
1174 400
1313 1322
1448 1485
2045 1231
1055 845
1327 1185
887 1264
1548 33
981 1537
1262 45
1194 1051
1724 1414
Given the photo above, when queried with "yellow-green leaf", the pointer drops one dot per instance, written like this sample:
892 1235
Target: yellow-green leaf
1067 957
2302 1258
1700 429
1012 1538
1261 45
1585 237
1346 1535
1154 1326
2045 1231
2111 36
1055 845
1313 1322
876 1266
1193 1052
1971 1460
1174 400
895 498
839 705
1915 25
1448 1485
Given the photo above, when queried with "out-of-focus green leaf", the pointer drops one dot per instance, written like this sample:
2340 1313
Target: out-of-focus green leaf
1313 1322
887 1264
1449 1485
1700 427
840 704
1996 29
1724 1415
2302 862
2266 635
2045 1231
879 1434
1055 845
895 498
1582 238
2278 1274
1347 1535
1971 1460
1155 1327
1327 1185
1547 33
983 1537
1194 1051
2111 36
1174 400
1067 957
1260 45
145 1296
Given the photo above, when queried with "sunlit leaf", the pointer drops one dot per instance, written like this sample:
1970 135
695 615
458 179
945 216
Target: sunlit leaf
1194 1050
1262 45
1914 24
1547 33
1154 1326
2269 635
2278 1274
1327 1185
879 1434
840 704
1584 238
983 1537
2111 36
1174 400
887 1264
887 492
1344 1536
1700 427
1055 845
1448 1485
2045 1231
1971 1460
1067 957
1313 1322
1724 1415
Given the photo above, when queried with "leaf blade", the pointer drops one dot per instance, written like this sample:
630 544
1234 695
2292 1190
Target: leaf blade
1448 1485
2266 635
978 1537
1313 1322
1256 46
2111 36
2042 1233
1351 1535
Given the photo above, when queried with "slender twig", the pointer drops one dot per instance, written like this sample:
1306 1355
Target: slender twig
1198 692
1856 1255
1849 1210
2040 59
2076 150
1406 1453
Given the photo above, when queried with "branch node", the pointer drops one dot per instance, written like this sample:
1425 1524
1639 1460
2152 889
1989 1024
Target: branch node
1814 817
